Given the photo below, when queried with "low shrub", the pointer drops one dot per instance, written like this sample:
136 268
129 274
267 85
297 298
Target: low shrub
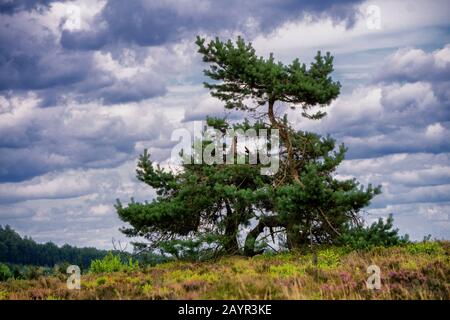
34 272
425 247
328 258
285 270
5 272
113 263
380 233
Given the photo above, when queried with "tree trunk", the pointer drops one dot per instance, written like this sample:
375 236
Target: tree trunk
287 140
295 238
250 240
231 245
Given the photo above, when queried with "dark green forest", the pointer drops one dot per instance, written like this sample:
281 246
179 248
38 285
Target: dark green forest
25 251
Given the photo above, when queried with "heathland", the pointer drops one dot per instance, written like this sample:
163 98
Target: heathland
411 271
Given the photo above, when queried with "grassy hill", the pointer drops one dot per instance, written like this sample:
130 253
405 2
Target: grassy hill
414 271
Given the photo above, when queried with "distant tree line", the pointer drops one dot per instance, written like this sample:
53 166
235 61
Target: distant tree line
17 250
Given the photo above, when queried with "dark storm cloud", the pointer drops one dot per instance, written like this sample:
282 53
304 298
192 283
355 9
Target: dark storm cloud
405 140
61 64
34 140
130 90
14 6
32 59
19 164
398 112
149 23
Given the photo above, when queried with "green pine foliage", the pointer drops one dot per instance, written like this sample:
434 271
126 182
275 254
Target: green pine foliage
239 210
378 234
196 249
242 74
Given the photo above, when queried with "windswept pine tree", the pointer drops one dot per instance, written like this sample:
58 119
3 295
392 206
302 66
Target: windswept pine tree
234 208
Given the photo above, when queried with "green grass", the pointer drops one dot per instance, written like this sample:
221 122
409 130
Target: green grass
413 271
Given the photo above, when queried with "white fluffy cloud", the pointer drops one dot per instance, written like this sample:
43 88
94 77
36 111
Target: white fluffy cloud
415 189
416 65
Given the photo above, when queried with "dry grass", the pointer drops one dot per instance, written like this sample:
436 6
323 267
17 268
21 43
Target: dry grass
413 272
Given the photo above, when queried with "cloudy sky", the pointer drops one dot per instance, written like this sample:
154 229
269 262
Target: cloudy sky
86 85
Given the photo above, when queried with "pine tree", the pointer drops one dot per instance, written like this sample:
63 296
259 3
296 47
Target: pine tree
242 75
220 203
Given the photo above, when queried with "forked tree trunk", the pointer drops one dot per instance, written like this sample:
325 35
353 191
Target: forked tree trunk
286 139
250 240
295 238
231 245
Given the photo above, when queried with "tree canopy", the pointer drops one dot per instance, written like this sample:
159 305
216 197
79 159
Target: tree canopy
233 208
